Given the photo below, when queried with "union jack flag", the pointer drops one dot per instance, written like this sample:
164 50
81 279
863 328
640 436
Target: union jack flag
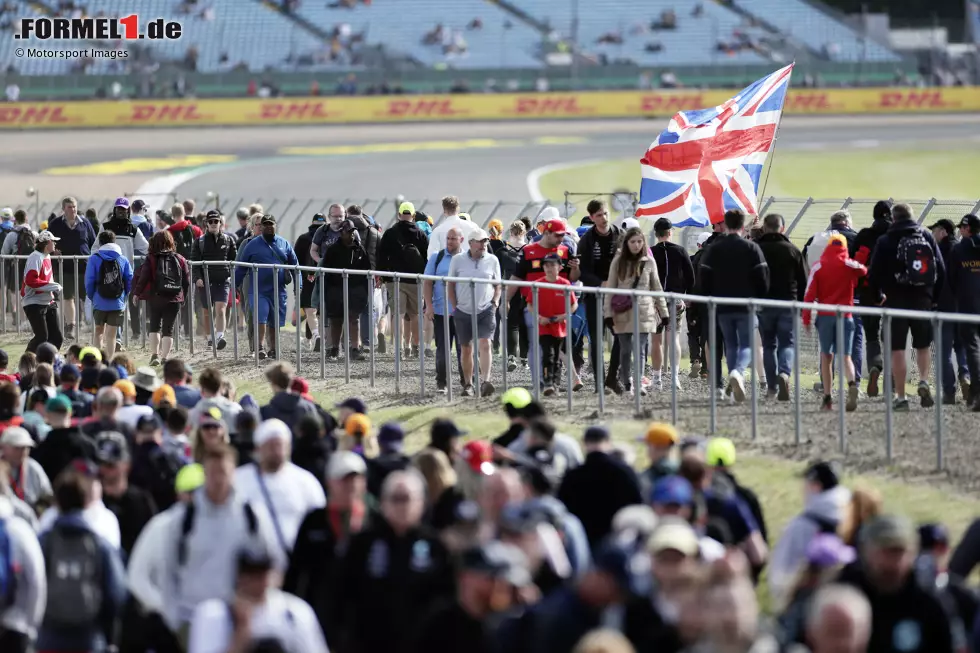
710 160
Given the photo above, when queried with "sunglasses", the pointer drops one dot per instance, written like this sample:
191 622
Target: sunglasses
214 221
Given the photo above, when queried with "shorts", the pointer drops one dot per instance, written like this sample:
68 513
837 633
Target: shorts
921 333
162 318
265 311
827 333
70 281
486 324
408 297
306 294
112 318
219 293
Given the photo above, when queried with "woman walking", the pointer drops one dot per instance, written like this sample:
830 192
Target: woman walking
633 269
163 281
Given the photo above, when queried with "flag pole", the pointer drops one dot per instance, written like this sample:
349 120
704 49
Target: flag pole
772 152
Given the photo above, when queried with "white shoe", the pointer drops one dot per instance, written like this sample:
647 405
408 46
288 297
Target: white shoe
737 385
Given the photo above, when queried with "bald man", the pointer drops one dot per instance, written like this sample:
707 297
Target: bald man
839 621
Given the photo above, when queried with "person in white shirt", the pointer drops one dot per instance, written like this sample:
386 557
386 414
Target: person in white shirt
287 491
259 613
20 620
130 413
450 220
99 518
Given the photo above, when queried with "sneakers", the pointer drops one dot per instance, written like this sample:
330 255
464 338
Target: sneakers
925 395
771 394
119 346
382 345
69 332
782 387
873 375
262 354
616 388
549 391
965 386
900 405
486 389
695 369
315 343
524 365
356 354
852 397
827 404
155 360
578 385
222 343
736 383
209 344
333 353
511 363
467 391
441 389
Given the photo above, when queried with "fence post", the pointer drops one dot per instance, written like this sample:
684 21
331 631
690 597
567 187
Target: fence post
713 367
345 280
600 349
937 327
847 202
255 311
638 358
754 345
297 280
209 308
799 216
534 346
372 325
234 297
841 382
396 328
797 404
275 312
321 283
674 356
6 295
422 341
765 207
569 362
886 356
925 211
447 342
474 333
504 330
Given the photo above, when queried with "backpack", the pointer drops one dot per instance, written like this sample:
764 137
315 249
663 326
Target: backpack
111 285
26 240
8 574
412 261
509 259
187 525
169 278
184 240
74 564
916 261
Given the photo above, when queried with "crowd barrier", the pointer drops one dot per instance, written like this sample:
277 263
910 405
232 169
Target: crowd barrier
461 107
672 361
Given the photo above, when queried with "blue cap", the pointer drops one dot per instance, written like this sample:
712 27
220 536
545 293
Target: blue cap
672 489
391 434
70 372
628 563
354 404
596 434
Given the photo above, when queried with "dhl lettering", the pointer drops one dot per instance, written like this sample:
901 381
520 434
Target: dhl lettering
294 110
807 102
914 100
671 103
412 108
165 113
548 106
32 115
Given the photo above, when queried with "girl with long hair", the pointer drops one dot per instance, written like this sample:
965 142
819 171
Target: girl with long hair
163 281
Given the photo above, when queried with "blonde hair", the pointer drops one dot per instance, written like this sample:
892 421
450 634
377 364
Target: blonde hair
255 209
450 204
865 505
177 211
437 471
604 640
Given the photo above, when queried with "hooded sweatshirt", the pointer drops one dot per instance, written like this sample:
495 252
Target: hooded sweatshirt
93 274
129 239
30 597
288 407
833 278
821 512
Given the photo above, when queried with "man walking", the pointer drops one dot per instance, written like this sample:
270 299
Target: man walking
402 249
77 239
600 245
676 275
214 245
436 308
944 231
861 250
964 279
475 303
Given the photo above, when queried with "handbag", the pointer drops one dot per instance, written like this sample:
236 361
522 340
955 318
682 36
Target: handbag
623 303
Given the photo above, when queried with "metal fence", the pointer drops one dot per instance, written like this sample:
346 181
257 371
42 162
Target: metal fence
310 361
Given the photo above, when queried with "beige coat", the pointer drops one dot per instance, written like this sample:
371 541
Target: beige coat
648 306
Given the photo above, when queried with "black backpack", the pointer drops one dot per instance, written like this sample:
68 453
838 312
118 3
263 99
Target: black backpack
111 285
75 572
26 240
169 277
184 240
412 261
916 261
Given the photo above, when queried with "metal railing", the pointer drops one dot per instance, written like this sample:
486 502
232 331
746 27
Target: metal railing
391 306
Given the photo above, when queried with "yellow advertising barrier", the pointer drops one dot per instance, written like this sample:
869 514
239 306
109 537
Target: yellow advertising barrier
512 106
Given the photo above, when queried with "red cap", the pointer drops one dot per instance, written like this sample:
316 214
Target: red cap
300 386
555 226
478 454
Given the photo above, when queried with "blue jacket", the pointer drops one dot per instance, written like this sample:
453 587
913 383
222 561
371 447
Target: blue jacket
964 275
258 250
144 225
93 273
113 598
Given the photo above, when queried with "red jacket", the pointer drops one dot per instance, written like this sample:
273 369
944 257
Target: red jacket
833 279
185 224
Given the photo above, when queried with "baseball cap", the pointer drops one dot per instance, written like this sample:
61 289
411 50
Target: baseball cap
90 350
149 422
212 417
823 473
318 218
890 531
520 518
406 208
164 393
16 436
630 223
111 447
357 424
213 214
254 559
107 377
516 398
478 454
189 478
629 566
498 560
268 219
596 434
552 258
348 225
58 404
122 202
702 238
443 430
638 519
85 467
272 429
138 206
354 404
126 387
663 224
464 216
674 535
971 221
7 213
660 434
828 550
945 225
391 434
555 226
344 463
70 373
931 535
478 235
548 213
672 490
720 452
46 236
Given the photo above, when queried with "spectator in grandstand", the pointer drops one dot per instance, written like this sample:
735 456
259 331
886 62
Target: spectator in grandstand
77 239
327 234
944 231
787 282
19 239
450 220
832 281
402 250
599 246
303 248
964 280
676 275
214 246
734 267
906 616
270 311
81 607
39 291
345 253
862 249
109 282
906 272
475 303
175 374
436 308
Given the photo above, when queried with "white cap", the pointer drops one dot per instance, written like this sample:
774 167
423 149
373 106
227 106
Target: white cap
478 234
45 236
345 463
548 213
16 436
629 223
702 237
675 536
7 213
271 429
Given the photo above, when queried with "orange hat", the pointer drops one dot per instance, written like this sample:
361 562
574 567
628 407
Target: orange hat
838 240
164 393
126 387
661 435
357 424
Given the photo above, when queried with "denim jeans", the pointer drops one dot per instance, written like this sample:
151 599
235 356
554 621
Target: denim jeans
625 370
440 336
952 344
857 348
776 330
737 330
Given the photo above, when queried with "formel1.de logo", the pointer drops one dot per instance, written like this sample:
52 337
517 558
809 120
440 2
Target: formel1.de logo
98 29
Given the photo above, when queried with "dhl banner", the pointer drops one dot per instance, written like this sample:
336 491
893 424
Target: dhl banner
414 108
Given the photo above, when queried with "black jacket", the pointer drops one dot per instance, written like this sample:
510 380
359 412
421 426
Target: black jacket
392 256
913 614
302 246
448 628
60 448
155 470
378 469
288 407
370 238
133 510
597 254
620 488
946 301
732 266
964 275
674 267
388 584
340 256
787 271
861 251
885 265
213 248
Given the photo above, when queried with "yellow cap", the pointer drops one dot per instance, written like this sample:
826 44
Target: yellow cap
720 452
516 398
43 225
189 478
164 393
406 207
661 435
357 424
90 350
126 387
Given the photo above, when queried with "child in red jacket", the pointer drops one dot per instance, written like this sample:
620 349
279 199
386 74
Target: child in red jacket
552 320
832 281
